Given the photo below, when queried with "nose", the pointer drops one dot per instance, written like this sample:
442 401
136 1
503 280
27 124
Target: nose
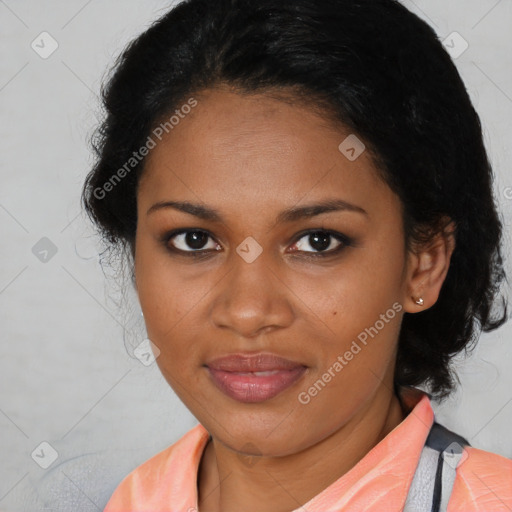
252 299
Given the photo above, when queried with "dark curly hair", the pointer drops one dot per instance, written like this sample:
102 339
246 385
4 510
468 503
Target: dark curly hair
372 66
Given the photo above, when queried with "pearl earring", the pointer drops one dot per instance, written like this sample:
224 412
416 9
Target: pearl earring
418 301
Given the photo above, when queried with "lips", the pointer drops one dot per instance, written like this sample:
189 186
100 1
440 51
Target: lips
254 377
252 363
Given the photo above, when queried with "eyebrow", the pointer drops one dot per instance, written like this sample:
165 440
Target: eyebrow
289 215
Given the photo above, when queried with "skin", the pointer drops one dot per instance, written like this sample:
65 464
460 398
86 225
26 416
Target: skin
250 157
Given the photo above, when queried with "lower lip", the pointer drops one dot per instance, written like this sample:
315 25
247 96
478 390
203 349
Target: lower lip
251 387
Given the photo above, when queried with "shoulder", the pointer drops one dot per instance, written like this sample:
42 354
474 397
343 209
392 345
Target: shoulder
176 465
483 482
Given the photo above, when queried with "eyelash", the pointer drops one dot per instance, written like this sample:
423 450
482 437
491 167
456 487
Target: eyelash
344 240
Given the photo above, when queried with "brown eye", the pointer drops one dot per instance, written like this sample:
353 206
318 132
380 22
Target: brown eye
191 241
321 242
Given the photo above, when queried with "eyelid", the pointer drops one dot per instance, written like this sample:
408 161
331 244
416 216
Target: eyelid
345 241
168 236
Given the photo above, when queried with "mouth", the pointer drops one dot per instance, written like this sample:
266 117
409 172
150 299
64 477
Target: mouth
254 377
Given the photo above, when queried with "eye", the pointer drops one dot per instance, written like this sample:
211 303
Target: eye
322 242
197 242
190 241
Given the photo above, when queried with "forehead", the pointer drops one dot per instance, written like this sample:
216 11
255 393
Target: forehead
234 148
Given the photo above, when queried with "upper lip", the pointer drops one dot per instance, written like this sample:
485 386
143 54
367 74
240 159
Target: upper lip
252 363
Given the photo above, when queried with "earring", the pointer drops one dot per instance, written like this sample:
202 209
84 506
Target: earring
418 301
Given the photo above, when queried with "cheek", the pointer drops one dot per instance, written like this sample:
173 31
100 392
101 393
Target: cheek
157 287
359 303
171 295
380 268
355 293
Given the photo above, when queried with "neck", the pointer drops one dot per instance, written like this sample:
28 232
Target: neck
282 484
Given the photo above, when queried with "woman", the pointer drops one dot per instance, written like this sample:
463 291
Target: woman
302 191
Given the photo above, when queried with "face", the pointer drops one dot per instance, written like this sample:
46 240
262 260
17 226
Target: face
270 270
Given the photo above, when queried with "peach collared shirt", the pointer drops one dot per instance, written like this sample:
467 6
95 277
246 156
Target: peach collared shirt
379 482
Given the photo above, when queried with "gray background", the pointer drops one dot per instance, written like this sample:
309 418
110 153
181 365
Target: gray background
66 377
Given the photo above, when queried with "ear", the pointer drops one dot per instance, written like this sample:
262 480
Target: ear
427 266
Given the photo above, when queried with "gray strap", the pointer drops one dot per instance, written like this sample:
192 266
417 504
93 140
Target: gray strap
432 483
419 498
451 458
